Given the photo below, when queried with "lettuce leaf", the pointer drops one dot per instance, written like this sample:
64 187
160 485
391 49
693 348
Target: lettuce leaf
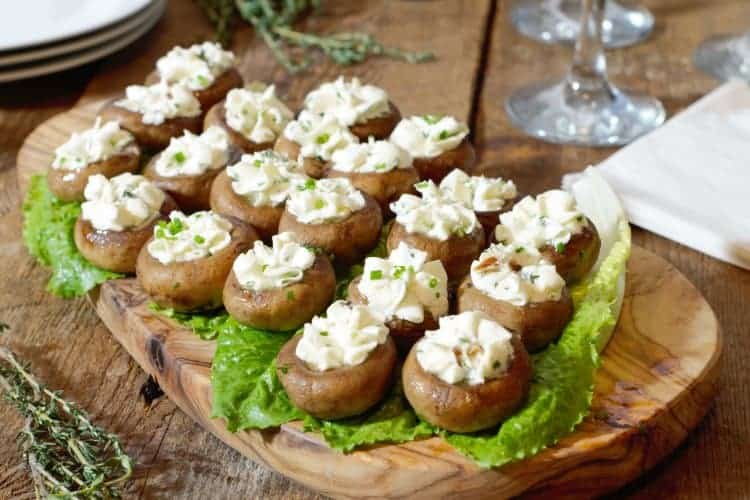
48 233
204 325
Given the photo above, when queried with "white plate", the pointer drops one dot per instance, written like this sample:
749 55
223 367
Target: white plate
33 22
98 37
84 56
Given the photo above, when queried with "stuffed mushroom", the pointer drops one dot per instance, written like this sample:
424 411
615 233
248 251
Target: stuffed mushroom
365 109
205 69
446 230
155 113
256 188
105 149
187 168
117 219
515 286
438 144
410 292
332 215
468 375
281 287
312 139
187 260
552 223
378 168
253 117
341 365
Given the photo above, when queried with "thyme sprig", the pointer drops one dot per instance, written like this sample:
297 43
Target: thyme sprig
273 20
68 456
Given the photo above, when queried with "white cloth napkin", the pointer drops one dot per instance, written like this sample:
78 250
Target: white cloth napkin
689 180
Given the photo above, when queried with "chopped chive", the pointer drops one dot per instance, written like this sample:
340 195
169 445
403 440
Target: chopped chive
323 334
199 239
433 282
322 138
290 295
560 247
376 274
179 157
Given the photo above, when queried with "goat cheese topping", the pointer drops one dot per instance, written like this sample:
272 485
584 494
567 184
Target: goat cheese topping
123 202
468 347
194 155
479 193
195 67
93 145
256 112
189 237
370 157
350 102
159 102
345 336
265 178
265 268
318 135
404 285
324 200
429 136
433 216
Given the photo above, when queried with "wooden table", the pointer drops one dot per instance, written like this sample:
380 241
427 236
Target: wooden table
481 60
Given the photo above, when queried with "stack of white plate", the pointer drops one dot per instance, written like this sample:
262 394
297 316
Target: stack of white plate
38 37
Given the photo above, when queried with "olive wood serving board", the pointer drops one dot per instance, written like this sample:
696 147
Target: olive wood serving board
658 379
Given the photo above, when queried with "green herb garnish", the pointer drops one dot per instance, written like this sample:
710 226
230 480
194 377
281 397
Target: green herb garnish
179 157
560 247
322 138
376 274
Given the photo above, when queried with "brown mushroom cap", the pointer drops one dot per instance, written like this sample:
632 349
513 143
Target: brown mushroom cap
467 408
313 167
340 392
538 323
228 80
384 187
287 308
265 219
195 284
68 185
216 117
153 137
348 239
462 157
191 192
456 253
117 251
380 127
404 333
579 255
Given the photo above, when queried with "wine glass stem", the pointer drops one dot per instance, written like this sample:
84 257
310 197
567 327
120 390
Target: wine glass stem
588 74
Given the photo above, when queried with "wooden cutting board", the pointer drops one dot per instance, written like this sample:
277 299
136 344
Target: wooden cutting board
657 380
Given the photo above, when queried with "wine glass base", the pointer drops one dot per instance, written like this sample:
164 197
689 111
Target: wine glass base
558 21
548 112
724 57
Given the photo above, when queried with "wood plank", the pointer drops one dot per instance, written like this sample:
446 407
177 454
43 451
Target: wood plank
715 462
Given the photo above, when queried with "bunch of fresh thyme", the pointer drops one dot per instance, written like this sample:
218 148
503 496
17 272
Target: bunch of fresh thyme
68 456
273 19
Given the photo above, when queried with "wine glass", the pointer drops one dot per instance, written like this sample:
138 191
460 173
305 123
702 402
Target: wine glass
725 57
584 108
557 21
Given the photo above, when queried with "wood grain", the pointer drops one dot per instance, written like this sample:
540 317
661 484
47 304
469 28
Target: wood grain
67 346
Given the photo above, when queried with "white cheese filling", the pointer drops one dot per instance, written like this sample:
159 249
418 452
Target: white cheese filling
370 157
549 219
405 285
123 202
194 155
93 145
256 112
189 237
267 268
467 348
195 67
345 336
516 274
433 216
325 200
479 193
429 136
318 136
349 101
160 102
265 178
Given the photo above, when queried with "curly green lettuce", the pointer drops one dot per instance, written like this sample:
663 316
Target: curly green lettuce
48 233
